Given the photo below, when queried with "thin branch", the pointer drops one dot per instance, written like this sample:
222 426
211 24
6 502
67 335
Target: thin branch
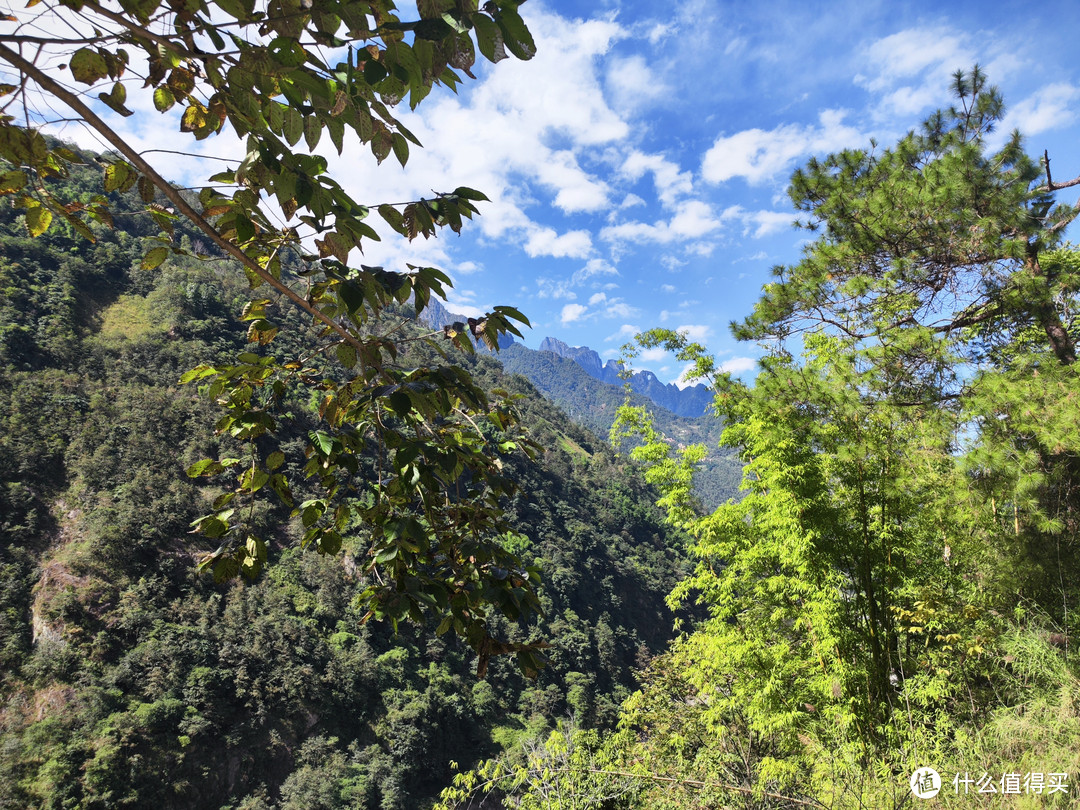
1050 184
139 32
1063 222
191 155
166 188
62 41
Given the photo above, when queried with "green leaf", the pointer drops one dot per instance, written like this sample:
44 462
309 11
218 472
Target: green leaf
257 480
346 355
275 116
240 9
489 38
401 148
470 194
280 486
336 128
163 98
115 99
287 52
213 527
245 229
275 460
323 441
154 257
147 190
393 218
207 466
515 35
88 66
350 295
312 131
261 331
293 126
381 143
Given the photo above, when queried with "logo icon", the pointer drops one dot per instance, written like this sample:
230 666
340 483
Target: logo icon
925 783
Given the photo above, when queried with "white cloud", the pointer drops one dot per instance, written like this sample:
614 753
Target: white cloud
761 156
467 267
572 313
692 219
525 134
625 332
758 224
597 298
617 308
670 182
658 32
546 242
632 83
697 333
1051 107
910 53
548 288
681 382
737 365
668 288
593 267
911 70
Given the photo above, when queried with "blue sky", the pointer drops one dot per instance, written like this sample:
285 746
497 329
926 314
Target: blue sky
637 166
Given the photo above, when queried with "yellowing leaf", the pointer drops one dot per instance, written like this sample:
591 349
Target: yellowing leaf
119 177
154 257
38 220
163 99
12 181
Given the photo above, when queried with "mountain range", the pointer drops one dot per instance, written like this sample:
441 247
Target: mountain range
691 401
590 392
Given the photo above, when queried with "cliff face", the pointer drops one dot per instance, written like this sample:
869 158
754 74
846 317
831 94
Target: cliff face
582 355
691 401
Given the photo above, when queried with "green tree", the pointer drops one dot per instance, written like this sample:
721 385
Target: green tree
926 246
910 480
408 456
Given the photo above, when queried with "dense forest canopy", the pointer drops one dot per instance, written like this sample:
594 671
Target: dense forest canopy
131 679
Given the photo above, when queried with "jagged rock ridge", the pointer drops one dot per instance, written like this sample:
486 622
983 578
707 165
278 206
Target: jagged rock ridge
691 401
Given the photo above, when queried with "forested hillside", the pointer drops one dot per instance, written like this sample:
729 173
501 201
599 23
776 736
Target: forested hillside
595 404
130 679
